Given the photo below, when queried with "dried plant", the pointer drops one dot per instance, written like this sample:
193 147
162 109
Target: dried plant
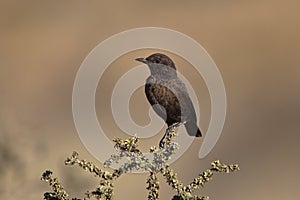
128 148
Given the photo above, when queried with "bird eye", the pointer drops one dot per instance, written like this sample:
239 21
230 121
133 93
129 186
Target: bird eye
157 61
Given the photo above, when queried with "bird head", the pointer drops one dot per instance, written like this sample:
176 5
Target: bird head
159 64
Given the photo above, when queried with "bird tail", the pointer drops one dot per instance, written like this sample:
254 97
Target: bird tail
192 129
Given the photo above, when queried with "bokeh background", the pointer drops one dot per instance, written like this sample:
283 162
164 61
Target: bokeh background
254 43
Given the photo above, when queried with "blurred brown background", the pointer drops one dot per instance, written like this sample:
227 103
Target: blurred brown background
254 43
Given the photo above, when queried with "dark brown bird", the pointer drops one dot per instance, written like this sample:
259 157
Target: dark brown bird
168 95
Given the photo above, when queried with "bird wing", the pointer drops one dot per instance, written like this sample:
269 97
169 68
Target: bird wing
169 108
154 100
183 100
173 98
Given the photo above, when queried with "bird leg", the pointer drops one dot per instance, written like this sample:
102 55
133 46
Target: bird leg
166 139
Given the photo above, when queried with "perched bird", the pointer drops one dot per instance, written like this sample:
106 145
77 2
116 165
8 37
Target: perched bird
163 87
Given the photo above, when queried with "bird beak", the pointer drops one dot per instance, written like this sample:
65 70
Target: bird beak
143 60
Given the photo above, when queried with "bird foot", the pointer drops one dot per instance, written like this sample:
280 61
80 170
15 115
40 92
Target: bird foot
171 128
175 125
162 143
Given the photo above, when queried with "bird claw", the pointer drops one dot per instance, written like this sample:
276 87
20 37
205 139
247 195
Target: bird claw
171 128
162 143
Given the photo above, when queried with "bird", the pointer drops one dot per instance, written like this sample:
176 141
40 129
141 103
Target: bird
168 95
